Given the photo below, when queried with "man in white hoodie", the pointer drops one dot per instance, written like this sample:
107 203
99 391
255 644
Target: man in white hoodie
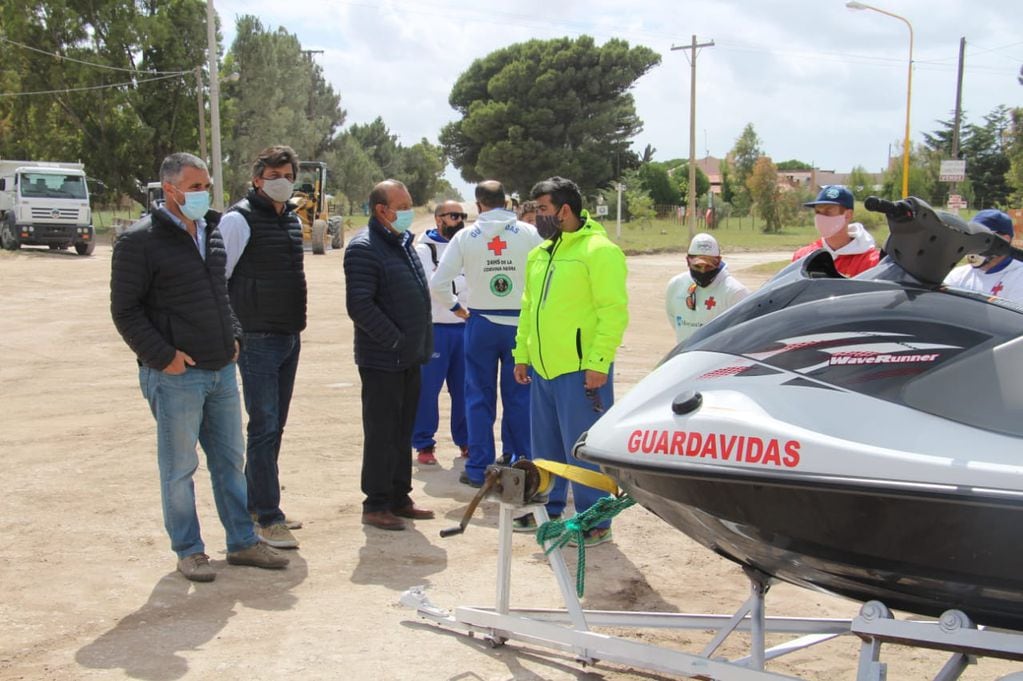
492 254
703 291
447 364
849 243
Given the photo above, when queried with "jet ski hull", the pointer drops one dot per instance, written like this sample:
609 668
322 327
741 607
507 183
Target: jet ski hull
923 551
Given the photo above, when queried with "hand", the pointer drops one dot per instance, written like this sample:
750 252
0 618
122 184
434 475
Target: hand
178 365
237 351
521 372
594 380
462 313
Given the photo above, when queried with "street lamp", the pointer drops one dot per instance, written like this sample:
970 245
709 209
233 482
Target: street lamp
909 87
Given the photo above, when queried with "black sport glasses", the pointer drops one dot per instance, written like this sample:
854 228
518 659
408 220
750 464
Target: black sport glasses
457 216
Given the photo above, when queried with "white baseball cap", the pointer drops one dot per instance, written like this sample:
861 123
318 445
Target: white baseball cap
704 244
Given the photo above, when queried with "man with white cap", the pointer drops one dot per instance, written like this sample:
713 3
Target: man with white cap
849 243
998 275
705 291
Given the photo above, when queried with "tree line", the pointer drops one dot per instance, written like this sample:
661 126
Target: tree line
119 85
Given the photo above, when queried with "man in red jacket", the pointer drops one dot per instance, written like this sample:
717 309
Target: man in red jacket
849 243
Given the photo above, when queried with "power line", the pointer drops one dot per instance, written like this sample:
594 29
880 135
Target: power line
63 57
91 87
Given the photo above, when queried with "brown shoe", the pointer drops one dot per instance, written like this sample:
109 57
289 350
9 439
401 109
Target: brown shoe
384 520
414 512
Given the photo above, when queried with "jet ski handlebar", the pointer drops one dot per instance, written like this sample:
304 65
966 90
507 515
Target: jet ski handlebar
928 243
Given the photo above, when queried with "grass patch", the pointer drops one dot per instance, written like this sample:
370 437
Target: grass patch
734 234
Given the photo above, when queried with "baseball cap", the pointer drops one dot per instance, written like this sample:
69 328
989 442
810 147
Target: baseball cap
995 220
834 194
704 245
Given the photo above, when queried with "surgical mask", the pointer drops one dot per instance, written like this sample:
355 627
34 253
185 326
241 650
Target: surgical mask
403 220
196 204
704 279
547 225
278 189
829 225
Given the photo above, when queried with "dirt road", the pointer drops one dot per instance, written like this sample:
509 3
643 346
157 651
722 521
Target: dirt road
89 587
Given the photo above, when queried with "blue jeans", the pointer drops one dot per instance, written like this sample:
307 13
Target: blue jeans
268 363
560 412
199 406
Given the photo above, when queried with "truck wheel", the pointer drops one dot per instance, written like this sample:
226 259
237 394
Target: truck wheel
85 247
337 232
319 231
8 239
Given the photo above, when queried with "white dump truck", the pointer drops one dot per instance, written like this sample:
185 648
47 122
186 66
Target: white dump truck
45 203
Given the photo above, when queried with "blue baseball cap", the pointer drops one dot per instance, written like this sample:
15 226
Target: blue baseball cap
834 194
995 220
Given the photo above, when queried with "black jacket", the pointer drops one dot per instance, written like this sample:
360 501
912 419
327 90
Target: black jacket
164 297
388 300
268 287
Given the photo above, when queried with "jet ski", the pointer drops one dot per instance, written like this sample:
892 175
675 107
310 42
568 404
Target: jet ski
859 436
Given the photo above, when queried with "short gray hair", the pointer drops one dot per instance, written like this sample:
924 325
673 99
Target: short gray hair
173 165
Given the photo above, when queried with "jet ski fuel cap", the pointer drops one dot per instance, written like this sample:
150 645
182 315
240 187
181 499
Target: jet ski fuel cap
686 402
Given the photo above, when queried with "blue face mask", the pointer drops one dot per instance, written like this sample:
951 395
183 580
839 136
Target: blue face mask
196 205
403 221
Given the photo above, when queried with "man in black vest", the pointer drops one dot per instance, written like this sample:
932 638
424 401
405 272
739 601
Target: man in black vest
169 301
263 240
389 303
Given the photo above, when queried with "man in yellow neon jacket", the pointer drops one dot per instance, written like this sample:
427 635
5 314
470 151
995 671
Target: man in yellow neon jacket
574 313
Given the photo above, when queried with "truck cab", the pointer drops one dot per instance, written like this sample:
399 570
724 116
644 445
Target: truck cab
45 204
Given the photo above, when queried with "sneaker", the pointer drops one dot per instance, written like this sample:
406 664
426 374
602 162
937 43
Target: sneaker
290 523
425 456
196 568
258 555
527 523
277 535
466 480
504 460
594 537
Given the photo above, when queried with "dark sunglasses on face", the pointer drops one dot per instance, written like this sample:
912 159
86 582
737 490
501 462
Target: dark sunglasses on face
455 216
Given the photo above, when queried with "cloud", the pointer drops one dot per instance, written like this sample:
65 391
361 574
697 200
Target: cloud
819 82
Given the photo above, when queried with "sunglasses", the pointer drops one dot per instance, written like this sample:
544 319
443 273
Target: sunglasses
456 216
594 397
691 297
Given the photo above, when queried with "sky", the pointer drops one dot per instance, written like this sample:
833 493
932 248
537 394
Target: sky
820 83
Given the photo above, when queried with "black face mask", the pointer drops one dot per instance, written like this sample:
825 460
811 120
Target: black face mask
448 232
548 225
704 279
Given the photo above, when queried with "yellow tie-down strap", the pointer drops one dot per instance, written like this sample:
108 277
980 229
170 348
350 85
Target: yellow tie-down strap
583 476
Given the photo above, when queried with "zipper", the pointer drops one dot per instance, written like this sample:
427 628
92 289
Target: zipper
579 347
548 276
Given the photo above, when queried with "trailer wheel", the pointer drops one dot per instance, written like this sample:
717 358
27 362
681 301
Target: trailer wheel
319 231
8 240
85 247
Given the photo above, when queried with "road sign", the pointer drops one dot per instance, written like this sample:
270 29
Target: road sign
952 171
956 202
601 210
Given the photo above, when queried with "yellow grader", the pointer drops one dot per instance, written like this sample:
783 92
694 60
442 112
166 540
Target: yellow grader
312 207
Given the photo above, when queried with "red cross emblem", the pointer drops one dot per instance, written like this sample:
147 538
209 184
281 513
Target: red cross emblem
497 246
711 303
997 289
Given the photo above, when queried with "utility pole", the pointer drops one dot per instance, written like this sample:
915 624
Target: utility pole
202 113
959 110
217 158
691 199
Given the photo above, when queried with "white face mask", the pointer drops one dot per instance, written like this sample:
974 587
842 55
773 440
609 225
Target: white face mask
278 190
829 225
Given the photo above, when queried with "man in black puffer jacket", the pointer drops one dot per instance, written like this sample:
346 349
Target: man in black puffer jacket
169 301
389 302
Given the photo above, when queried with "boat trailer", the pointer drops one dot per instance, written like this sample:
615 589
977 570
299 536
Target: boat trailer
570 629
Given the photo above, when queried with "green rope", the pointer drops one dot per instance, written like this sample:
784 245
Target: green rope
561 532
